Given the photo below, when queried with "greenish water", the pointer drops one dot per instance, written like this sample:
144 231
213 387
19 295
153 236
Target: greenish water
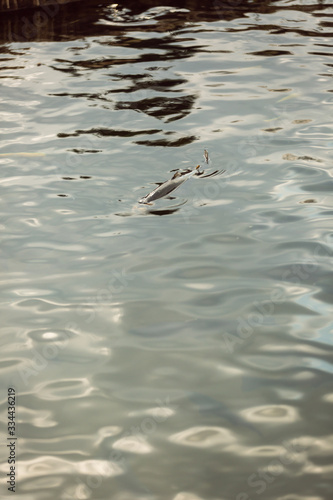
179 351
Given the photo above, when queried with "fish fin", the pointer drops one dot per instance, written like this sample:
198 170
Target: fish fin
206 156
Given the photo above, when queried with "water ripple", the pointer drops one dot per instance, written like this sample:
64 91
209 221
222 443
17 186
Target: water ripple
183 357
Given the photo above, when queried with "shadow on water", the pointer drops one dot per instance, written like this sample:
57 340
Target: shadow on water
169 208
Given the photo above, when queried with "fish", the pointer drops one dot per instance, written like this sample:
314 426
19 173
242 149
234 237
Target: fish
167 187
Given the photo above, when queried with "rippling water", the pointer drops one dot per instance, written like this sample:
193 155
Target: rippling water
179 351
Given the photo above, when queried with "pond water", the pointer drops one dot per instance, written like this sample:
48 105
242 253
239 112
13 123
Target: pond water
180 350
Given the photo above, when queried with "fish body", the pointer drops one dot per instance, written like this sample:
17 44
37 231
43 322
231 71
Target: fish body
168 186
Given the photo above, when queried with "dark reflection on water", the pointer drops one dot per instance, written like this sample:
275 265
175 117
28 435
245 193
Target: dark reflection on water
162 107
183 350
100 132
67 22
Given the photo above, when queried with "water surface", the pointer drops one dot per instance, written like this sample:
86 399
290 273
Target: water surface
182 351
